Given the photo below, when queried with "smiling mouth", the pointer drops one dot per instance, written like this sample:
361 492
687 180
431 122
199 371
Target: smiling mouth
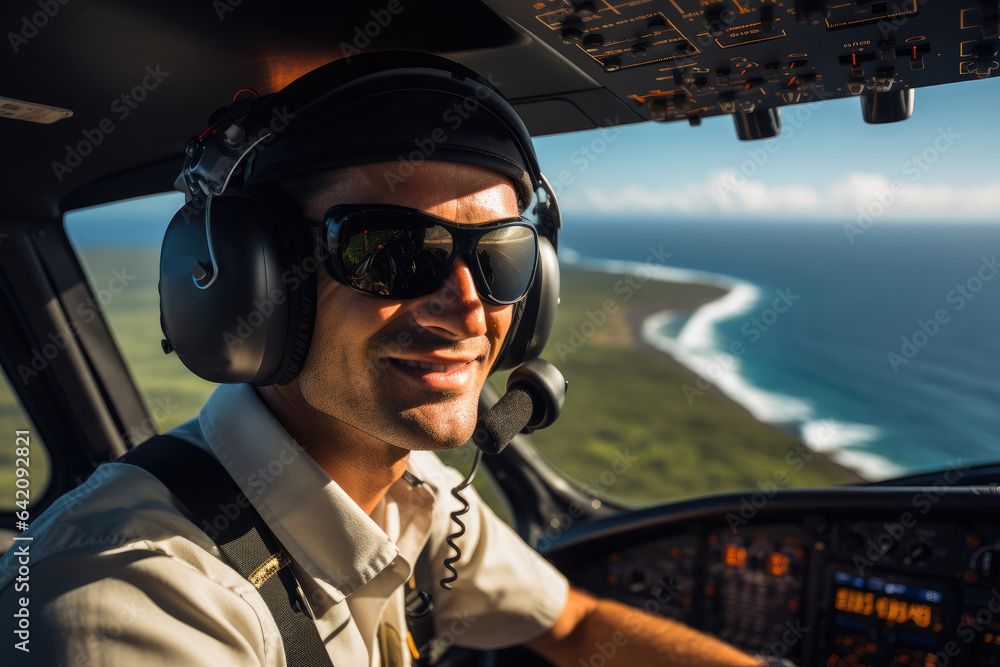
428 366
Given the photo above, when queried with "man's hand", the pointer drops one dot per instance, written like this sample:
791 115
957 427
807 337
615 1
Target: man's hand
624 635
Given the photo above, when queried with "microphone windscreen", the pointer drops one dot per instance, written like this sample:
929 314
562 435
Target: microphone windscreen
504 420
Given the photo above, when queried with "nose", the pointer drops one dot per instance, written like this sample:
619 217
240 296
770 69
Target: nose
454 311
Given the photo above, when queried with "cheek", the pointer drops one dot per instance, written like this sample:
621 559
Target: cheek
498 319
346 322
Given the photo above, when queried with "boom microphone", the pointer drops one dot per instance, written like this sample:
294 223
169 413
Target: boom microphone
536 393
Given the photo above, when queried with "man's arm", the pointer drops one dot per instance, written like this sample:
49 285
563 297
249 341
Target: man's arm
624 635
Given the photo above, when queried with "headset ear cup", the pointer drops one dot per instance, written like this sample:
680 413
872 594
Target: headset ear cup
254 322
530 333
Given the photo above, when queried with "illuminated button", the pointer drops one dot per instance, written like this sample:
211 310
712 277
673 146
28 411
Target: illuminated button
612 64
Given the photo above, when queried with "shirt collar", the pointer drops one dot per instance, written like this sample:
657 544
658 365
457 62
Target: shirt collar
324 531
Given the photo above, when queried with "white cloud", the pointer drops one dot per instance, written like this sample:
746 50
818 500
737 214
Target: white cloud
856 194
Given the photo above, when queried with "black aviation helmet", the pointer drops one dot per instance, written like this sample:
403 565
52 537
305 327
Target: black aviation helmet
237 268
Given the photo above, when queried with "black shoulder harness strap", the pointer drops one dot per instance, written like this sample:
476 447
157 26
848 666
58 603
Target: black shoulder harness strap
213 500
207 491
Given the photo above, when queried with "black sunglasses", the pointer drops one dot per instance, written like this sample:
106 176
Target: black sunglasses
398 252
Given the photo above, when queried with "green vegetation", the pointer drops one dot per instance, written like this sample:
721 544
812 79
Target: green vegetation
627 433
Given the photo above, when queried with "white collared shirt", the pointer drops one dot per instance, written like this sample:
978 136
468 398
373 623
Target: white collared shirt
118 576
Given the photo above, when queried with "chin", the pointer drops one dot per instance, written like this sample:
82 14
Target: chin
418 435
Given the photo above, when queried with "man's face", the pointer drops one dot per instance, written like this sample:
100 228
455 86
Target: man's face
409 372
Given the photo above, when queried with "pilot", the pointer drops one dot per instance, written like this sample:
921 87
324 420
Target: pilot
388 204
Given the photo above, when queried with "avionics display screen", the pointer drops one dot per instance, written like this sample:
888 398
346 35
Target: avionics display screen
896 605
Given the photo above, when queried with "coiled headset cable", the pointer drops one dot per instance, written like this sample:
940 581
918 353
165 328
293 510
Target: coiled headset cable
449 563
536 393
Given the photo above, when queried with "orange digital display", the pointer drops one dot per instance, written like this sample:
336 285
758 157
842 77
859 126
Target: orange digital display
776 564
867 603
734 556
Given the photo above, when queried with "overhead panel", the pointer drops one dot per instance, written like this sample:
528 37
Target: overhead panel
691 59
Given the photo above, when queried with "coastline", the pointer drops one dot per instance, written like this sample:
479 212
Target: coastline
713 415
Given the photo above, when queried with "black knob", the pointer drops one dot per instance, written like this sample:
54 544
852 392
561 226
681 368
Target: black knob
888 107
570 35
757 124
811 11
593 42
767 18
717 17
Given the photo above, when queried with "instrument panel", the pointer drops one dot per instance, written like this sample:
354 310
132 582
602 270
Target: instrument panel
876 577
670 60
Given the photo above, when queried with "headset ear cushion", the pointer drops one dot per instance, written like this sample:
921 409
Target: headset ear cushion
302 307
530 333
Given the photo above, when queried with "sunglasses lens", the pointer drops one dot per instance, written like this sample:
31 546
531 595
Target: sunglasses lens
507 260
401 254
399 261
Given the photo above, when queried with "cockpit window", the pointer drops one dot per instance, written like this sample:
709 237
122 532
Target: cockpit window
119 247
807 310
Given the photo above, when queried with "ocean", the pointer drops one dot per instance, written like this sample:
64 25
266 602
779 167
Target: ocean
877 345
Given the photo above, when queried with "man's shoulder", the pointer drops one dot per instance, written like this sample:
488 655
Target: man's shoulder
120 505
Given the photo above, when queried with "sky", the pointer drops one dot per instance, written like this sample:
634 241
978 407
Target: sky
826 166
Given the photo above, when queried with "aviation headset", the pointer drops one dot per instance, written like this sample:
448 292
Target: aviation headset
237 267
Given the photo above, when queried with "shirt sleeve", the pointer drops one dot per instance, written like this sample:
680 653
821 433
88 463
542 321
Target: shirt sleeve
506 593
132 607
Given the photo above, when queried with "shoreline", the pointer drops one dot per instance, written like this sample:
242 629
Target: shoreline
636 317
